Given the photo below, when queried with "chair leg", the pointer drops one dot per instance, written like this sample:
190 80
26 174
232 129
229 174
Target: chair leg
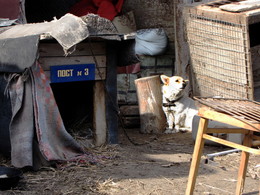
198 148
243 165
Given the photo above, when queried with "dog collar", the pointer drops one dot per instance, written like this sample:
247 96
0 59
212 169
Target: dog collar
170 103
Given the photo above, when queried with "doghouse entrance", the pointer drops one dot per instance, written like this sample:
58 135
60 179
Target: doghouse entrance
77 81
75 103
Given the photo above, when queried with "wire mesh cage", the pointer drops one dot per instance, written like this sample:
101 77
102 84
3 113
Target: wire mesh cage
220 52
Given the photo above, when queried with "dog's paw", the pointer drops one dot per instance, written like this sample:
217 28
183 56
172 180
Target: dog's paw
184 130
168 131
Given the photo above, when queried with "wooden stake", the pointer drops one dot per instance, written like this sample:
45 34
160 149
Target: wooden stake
149 95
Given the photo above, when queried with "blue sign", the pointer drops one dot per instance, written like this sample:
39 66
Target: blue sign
71 73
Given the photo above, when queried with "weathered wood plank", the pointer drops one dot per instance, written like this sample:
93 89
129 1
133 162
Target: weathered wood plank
150 104
82 49
223 118
197 153
241 6
46 62
218 14
231 144
99 117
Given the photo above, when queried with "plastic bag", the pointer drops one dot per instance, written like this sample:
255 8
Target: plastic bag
150 42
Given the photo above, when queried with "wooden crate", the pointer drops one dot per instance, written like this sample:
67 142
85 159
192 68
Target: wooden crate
224 51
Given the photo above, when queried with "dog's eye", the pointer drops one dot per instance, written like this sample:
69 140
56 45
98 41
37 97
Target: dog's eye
177 80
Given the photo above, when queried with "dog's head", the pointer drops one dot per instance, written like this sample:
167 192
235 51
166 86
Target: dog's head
173 87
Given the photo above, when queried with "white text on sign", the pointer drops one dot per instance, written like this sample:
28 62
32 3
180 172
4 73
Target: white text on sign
69 73
65 73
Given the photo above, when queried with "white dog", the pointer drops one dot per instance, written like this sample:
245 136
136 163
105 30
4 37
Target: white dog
179 109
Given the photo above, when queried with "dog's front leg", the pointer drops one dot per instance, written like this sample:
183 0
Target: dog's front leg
170 122
178 122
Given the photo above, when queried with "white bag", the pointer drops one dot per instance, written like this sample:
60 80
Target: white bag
150 41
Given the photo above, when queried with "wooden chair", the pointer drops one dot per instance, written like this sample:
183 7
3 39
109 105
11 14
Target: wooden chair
243 114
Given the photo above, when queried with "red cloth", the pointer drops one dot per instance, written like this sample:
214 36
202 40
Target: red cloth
10 9
103 8
83 7
131 69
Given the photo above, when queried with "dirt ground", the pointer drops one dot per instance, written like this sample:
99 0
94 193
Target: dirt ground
158 166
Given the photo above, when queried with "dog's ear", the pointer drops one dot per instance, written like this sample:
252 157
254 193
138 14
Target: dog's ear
165 79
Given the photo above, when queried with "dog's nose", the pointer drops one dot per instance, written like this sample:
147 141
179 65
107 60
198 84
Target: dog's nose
184 85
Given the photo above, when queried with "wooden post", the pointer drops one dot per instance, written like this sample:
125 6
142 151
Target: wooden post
196 157
99 117
111 93
181 47
243 164
149 95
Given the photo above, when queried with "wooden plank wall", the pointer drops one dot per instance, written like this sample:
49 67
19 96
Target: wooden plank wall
52 54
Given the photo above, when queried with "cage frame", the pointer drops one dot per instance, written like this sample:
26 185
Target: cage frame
214 14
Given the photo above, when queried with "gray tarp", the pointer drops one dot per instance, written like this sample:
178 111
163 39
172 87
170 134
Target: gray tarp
54 141
16 54
36 117
22 122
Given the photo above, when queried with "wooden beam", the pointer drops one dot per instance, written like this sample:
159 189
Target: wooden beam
198 149
243 164
81 49
149 95
46 62
181 47
99 118
227 130
111 93
224 118
231 144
